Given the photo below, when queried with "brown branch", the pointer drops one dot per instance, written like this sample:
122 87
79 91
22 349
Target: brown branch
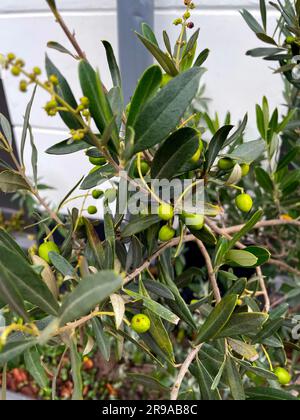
183 371
263 224
71 36
284 267
210 269
264 289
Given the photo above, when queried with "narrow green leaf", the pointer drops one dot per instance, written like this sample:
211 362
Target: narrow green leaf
25 125
28 282
11 295
33 365
262 373
216 145
205 381
95 244
191 43
113 65
262 254
34 157
90 292
269 394
145 90
147 381
139 224
7 240
175 152
238 134
6 128
234 380
217 319
149 34
179 306
202 57
264 180
248 152
243 349
167 43
67 147
62 265
63 89
263 12
162 58
161 114
11 182
15 349
102 339
240 258
251 22
93 89
247 228
98 177
60 48
158 330
243 324
155 307
76 371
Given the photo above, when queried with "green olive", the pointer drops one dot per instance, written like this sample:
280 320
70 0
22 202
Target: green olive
166 233
140 323
245 169
166 212
46 248
284 377
194 221
225 164
244 202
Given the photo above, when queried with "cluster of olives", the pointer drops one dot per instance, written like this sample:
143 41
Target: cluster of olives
243 201
166 213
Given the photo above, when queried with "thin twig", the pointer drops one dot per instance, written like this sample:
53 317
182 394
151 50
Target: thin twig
284 267
71 36
264 289
183 371
148 262
210 269
263 224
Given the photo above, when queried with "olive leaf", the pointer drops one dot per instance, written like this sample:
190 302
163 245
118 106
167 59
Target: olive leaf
11 182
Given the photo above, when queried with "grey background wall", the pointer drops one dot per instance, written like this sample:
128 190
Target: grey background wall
234 82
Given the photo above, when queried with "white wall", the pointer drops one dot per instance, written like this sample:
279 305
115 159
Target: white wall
234 82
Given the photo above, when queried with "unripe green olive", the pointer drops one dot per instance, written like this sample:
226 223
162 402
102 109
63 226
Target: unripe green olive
92 210
46 248
166 212
284 377
166 233
225 164
144 169
245 169
244 202
96 194
97 161
140 323
194 221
